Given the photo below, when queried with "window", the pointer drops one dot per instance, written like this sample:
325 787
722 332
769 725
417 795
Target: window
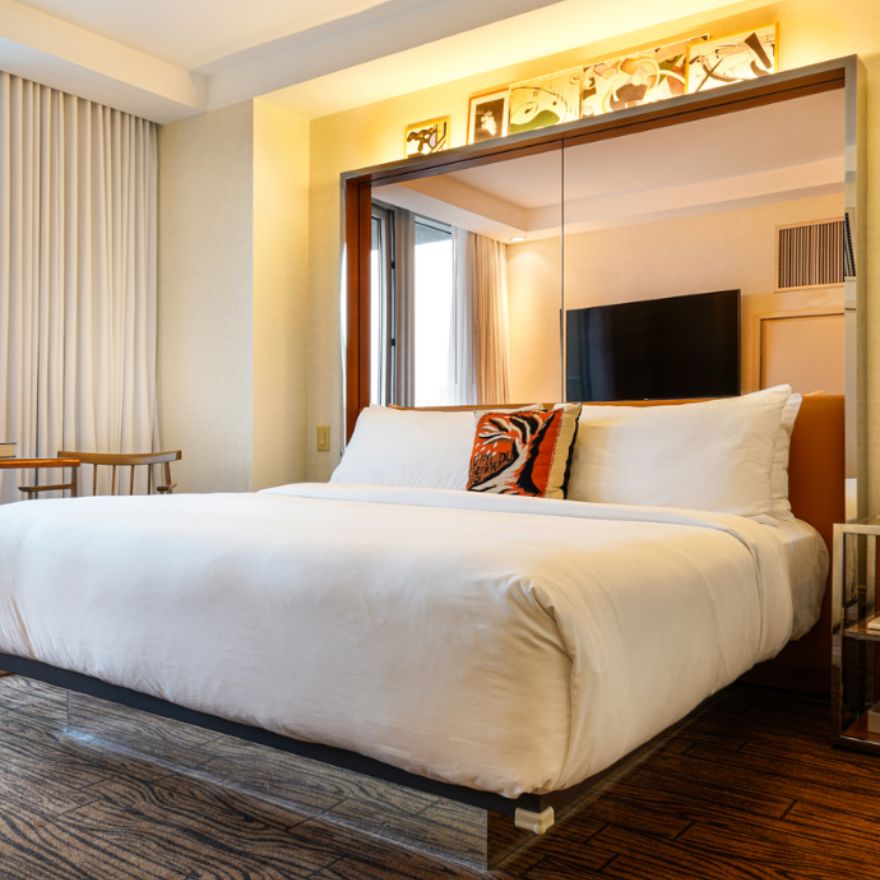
411 301
433 312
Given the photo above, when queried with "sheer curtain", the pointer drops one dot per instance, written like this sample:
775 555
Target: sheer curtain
479 357
78 184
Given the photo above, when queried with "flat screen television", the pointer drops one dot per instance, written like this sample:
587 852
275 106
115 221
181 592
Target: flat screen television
677 347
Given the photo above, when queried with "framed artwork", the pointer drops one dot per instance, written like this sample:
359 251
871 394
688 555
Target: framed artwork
744 56
637 78
546 101
425 138
487 115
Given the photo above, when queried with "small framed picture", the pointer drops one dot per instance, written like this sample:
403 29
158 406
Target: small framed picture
741 57
640 77
487 115
548 100
425 138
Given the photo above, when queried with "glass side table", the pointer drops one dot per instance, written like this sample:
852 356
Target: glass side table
855 639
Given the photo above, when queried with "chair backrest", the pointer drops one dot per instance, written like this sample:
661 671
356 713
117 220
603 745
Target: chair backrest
115 460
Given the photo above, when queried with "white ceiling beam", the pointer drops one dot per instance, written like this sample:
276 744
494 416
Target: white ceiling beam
387 29
518 37
65 56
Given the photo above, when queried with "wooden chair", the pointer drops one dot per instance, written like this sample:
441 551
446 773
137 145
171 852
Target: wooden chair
114 461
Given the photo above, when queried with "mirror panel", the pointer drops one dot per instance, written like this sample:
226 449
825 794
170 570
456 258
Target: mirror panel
456 296
766 199
750 201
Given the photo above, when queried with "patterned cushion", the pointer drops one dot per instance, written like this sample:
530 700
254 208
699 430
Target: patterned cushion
524 452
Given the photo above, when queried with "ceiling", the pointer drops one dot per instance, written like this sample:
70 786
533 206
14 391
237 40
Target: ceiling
193 33
787 150
169 59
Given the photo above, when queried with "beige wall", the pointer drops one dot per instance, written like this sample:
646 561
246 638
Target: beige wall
233 285
719 250
205 270
280 295
811 31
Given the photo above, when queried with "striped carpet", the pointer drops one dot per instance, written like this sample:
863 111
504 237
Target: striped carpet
751 790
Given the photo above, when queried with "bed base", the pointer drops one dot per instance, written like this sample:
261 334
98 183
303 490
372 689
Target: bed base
482 834
535 813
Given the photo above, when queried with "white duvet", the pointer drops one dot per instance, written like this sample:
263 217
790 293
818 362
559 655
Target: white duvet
507 644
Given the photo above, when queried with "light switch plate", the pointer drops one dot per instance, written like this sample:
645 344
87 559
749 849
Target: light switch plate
323 437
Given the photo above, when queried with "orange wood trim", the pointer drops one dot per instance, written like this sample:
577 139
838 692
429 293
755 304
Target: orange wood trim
358 194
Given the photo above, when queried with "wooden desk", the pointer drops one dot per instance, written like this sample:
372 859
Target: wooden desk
8 464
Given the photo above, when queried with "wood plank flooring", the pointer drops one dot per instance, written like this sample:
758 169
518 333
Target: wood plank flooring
751 789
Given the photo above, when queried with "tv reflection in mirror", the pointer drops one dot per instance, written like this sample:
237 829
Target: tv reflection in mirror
659 349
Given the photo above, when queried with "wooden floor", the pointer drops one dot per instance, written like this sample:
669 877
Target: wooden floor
751 789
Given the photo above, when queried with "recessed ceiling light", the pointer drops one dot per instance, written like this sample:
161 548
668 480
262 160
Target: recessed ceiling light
517 238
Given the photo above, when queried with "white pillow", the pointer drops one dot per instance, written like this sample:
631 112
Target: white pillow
392 447
781 506
716 455
779 478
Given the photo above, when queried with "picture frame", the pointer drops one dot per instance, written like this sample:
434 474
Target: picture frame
427 137
488 115
641 76
544 101
731 59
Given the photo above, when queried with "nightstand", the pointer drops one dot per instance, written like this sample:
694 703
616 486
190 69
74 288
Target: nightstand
855 641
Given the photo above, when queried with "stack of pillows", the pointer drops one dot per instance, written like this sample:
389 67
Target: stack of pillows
728 455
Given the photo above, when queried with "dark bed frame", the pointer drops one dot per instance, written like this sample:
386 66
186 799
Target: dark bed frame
342 758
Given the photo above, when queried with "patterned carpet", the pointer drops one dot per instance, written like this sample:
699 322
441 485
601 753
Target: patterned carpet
750 790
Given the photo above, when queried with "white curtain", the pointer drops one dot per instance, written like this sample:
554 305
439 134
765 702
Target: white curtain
479 357
78 185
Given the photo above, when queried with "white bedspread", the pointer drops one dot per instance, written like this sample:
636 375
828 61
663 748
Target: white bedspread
501 643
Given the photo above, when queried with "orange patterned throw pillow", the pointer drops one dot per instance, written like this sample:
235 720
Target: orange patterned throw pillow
524 452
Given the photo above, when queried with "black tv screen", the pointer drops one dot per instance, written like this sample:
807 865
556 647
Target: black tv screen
681 346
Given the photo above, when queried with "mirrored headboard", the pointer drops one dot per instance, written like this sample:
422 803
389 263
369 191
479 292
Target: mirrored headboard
466 271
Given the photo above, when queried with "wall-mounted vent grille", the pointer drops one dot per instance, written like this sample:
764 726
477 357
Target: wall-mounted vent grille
811 255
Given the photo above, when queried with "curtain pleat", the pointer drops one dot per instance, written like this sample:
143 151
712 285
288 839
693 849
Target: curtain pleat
78 205
479 359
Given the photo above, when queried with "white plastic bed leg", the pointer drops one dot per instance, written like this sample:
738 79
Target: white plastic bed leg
537 823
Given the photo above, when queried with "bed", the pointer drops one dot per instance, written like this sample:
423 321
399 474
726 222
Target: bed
498 650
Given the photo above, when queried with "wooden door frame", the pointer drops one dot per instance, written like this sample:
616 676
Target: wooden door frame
357 185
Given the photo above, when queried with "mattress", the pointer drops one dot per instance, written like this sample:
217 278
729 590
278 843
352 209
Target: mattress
808 563
505 644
